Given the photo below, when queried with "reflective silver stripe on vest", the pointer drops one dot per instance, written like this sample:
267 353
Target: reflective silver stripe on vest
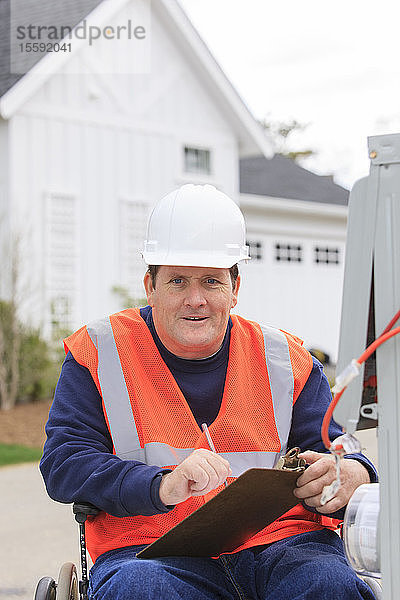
156 453
281 380
114 391
241 461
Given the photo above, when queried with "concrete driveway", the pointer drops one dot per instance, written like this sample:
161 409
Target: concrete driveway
37 535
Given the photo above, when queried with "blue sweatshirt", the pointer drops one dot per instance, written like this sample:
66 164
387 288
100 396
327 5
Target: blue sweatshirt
78 464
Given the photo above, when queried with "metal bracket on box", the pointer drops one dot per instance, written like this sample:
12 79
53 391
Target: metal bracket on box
369 411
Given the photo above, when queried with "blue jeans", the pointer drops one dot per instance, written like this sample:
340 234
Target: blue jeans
302 567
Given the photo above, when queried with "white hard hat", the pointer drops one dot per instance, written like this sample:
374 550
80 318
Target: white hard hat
198 226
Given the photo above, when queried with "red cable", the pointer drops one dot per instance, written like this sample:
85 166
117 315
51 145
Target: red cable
387 334
392 322
327 420
371 349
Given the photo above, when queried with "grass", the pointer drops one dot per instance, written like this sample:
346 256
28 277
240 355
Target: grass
12 454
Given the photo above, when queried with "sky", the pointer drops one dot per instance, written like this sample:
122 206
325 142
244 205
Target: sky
333 66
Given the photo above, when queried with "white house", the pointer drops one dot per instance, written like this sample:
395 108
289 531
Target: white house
84 153
84 157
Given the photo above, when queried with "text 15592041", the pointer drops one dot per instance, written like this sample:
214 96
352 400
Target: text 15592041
44 47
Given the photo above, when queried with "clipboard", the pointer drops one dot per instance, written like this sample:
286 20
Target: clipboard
239 511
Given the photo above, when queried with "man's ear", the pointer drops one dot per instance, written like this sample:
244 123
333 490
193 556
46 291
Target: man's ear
235 292
148 286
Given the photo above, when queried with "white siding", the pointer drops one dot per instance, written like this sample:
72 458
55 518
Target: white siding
132 230
4 207
304 297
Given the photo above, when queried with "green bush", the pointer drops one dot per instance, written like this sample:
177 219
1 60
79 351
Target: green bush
37 366
37 370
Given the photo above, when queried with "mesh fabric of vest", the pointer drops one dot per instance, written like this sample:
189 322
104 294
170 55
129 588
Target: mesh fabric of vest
245 421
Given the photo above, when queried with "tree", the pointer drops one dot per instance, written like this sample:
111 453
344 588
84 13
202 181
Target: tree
281 134
27 370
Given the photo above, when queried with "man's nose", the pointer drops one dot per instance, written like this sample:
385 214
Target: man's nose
195 296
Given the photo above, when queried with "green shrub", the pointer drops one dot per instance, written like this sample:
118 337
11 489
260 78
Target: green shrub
37 370
33 374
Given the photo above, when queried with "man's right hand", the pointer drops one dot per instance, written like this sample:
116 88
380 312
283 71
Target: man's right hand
200 473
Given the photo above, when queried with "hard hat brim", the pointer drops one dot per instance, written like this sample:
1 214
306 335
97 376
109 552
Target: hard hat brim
212 261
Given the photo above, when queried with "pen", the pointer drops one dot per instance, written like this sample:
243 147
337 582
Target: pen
210 443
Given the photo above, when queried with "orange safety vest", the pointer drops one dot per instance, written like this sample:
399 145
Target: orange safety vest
149 419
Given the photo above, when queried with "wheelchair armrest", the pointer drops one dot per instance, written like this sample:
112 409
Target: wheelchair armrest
82 510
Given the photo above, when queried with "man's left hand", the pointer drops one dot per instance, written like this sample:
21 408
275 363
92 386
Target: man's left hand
321 472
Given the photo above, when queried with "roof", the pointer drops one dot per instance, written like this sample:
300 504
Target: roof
281 177
30 11
16 89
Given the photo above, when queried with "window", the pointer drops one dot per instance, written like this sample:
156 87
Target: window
288 252
325 255
61 259
255 250
197 160
60 309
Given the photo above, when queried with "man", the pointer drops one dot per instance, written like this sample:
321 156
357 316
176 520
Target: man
124 432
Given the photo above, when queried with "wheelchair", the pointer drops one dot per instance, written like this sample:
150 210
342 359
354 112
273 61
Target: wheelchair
69 586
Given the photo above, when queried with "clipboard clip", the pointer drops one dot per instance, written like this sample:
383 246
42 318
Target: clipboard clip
291 461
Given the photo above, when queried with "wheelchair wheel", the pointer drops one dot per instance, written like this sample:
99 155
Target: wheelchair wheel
46 589
67 587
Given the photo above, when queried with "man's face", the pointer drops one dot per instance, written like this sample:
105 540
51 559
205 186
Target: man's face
191 307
